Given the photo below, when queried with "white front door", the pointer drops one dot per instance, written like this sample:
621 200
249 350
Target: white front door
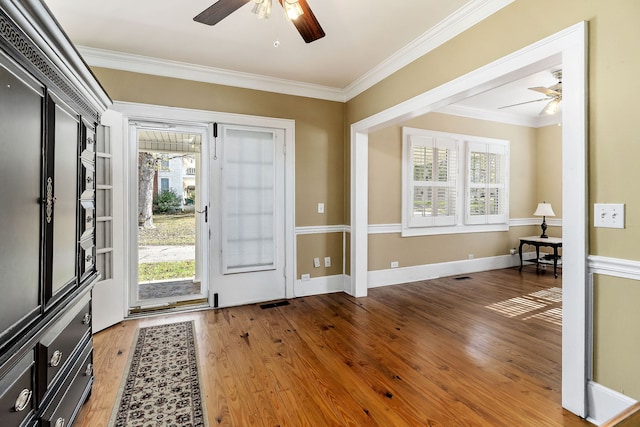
248 212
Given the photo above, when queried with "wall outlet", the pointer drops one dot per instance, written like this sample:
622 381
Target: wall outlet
394 264
305 277
471 256
513 251
327 261
320 208
316 262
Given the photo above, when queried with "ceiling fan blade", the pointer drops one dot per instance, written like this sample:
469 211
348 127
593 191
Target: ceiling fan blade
219 10
546 90
522 103
307 24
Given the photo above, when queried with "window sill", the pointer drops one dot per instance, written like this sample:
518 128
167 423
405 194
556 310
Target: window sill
454 229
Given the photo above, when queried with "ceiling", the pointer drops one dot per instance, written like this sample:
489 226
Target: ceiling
365 41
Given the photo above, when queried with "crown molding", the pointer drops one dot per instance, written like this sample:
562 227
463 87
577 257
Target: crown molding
456 23
185 71
459 21
37 23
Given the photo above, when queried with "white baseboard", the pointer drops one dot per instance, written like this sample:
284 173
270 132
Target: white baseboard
319 285
396 276
604 403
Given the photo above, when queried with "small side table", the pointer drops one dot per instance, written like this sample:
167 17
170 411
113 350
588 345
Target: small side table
537 241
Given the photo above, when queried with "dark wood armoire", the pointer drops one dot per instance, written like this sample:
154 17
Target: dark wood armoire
50 107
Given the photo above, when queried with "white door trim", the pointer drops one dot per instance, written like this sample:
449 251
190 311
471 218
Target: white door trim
202 245
569 47
183 116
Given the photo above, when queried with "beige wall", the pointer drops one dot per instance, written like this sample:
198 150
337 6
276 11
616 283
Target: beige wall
616 334
549 167
319 148
614 142
318 246
319 130
527 147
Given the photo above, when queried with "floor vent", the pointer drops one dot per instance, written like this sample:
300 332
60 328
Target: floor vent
274 304
462 278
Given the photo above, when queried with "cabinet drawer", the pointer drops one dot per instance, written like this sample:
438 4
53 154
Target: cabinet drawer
60 341
16 388
65 405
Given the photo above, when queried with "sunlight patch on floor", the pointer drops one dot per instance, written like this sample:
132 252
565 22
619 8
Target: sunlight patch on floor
544 305
553 315
515 306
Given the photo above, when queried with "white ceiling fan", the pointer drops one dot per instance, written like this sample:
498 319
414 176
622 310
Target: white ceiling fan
553 95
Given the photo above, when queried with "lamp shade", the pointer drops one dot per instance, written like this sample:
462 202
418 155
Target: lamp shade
544 209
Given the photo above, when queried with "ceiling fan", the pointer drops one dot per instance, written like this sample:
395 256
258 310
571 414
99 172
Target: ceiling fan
553 95
298 12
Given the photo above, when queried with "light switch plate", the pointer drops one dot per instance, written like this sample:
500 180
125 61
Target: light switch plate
316 262
327 261
608 215
320 208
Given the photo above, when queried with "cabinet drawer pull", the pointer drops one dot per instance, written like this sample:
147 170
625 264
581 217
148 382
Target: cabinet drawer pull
86 319
59 422
89 218
56 358
89 140
23 400
89 179
88 258
89 369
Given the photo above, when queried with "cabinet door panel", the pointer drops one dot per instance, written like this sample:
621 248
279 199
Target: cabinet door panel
65 206
20 178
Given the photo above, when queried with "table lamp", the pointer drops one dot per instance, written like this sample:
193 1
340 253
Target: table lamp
544 210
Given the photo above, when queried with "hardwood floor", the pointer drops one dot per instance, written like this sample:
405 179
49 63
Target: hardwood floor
428 353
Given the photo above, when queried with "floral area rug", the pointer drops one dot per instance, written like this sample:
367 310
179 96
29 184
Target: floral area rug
162 387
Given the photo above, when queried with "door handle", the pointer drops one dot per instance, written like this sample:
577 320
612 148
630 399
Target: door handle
206 213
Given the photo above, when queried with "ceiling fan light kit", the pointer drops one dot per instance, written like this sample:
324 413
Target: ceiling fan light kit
262 8
297 11
553 95
552 107
293 9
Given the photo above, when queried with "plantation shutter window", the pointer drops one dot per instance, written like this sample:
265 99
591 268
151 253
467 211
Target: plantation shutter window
433 181
486 183
453 183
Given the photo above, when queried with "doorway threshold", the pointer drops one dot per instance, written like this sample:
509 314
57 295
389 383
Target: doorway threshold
169 307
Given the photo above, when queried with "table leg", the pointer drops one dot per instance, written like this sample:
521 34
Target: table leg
555 261
537 257
520 253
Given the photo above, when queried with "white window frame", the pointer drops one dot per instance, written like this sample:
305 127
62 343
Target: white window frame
461 221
